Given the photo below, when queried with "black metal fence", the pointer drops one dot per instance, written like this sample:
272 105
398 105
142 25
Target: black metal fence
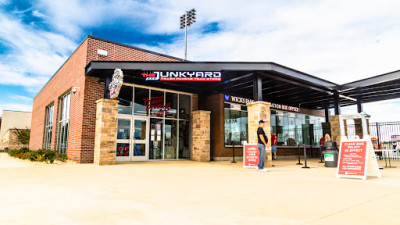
385 136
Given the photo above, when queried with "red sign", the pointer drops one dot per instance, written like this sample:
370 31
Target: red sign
250 155
352 159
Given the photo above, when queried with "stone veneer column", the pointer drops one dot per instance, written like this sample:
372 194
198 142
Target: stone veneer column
200 150
335 128
106 132
257 111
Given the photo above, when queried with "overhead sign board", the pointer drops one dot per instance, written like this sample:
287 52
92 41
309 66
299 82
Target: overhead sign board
357 159
182 76
241 100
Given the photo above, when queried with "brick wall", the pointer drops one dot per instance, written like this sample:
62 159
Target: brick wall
83 103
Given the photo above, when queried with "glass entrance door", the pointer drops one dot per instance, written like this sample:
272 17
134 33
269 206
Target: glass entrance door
140 139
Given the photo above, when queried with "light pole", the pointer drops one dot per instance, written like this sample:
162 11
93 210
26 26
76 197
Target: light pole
187 19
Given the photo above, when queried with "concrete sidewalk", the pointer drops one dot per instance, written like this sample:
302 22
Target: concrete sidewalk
186 192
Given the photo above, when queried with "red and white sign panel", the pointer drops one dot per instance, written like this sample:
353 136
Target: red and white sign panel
353 158
250 155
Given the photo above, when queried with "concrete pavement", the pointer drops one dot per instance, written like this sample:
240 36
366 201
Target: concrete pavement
187 192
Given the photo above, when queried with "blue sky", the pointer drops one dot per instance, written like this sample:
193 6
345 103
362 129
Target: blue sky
339 40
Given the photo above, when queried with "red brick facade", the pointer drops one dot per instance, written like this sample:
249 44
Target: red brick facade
83 102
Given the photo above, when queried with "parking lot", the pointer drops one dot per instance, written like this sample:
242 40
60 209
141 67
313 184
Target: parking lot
187 192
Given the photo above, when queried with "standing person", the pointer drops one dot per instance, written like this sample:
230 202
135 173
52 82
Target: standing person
262 144
274 145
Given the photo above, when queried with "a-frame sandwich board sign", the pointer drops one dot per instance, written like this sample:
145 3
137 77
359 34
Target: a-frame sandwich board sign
357 159
356 156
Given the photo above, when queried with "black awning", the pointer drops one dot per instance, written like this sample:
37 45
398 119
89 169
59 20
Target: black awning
280 84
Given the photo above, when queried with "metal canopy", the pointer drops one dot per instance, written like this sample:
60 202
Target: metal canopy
377 88
279 84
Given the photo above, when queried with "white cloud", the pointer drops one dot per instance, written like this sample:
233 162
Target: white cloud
339 40
34 55
16 107
20 98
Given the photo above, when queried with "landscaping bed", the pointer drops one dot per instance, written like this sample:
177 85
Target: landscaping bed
41 155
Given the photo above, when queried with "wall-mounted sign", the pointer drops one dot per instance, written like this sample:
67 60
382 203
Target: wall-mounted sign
284 107
181 76
230 98
115 86
240 100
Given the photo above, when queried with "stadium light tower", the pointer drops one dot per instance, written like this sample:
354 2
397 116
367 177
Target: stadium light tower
187 20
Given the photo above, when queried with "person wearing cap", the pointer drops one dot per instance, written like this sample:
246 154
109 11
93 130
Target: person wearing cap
262 144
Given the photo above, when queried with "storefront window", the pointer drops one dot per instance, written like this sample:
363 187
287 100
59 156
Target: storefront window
171 105
48 127
156 139
171 139
141 101
156 104
235 124
159 127
125 100
295 128
184 141
124 127
184 106
63 123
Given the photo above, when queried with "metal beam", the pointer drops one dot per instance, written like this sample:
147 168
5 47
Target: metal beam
359 105
337 103
257 88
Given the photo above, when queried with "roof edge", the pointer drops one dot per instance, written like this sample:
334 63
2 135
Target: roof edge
136 48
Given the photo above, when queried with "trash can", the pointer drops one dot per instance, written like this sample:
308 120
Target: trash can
6 149
331 153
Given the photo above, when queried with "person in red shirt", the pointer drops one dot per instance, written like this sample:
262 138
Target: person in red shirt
274 145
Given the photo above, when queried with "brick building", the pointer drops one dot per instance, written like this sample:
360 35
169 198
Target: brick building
112 102
82 113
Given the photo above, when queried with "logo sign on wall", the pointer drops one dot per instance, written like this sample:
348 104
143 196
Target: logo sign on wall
115 86
181 76
229 98
284 107
357 159
250 155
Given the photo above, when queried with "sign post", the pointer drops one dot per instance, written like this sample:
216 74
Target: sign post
357 156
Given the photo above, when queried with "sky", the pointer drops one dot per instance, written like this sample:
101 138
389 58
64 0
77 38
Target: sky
337 40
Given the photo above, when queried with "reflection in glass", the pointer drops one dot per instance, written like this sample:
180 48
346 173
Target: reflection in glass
122 149
184 106
123 129
235 126
156 142
141 101
170 139
171 103
139 150
125 100
140 130
156 105
184 141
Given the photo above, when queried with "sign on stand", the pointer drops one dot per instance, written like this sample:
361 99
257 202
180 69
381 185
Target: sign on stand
357 158
250 155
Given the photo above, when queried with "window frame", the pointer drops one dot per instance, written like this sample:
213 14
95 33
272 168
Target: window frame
48 126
